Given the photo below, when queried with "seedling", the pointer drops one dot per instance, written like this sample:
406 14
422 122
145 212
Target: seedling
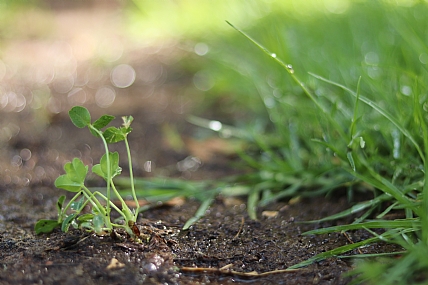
98 220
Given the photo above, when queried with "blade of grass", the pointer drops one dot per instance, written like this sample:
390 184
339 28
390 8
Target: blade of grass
373 255
200 212
252 201
421 120
334 252
380 110
354 209
382 224
290 70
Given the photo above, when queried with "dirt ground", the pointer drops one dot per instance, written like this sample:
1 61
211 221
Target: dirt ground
42 79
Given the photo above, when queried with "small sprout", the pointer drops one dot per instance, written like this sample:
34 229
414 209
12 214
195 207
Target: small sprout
73 180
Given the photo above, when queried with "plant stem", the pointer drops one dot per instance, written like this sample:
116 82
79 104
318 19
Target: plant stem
105 198
89 195
126 212
107 217
61 217
131 177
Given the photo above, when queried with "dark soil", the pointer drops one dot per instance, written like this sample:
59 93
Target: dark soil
224 247
225 237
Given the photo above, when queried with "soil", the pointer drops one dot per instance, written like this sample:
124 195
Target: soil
37 138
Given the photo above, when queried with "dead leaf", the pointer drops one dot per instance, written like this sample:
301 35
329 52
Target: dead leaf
270 214
115 264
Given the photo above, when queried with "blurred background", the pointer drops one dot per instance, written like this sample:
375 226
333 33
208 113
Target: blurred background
161 61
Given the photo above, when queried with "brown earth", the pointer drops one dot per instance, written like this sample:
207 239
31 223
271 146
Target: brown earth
37 138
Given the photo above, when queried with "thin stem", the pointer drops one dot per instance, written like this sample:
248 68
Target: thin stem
131 177
105 198
91 196
68 205
355 116
108 173
125 209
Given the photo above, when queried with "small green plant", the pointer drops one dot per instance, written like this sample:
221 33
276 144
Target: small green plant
99 219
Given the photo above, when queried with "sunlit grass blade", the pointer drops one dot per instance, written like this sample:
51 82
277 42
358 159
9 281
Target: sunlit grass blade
252 201
382 224
385 186
380 110
354 209
421 120
200 212
334 252
373 255
289 191
290 70
355 116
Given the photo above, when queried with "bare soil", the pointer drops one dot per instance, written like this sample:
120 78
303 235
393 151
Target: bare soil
224 247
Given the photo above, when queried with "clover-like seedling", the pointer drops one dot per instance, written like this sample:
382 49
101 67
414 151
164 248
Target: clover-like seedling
98 220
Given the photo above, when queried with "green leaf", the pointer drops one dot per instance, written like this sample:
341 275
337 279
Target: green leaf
414 224
380 110
334 252
80 116
200 212
64 182
252 201
351 160
113 135
75 176
125 130
98 222
67 222
101 169
77 205
354 209
59 203
45 226
85 218
76 170
103 121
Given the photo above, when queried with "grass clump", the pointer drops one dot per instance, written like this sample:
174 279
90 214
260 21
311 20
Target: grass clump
99 219
375 138
340 96
357 120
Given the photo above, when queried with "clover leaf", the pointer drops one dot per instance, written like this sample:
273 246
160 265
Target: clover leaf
103 121
101 169
80 116
75 176
113 135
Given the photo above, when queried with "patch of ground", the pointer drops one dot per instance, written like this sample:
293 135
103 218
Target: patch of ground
37 138
224 239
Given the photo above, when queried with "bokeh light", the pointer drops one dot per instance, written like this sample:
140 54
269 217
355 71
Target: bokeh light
123 76
105 96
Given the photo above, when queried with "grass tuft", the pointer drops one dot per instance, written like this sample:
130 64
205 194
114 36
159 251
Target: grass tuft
337 98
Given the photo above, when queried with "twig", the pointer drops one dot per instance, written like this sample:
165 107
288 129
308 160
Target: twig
240 229
226 271
351 241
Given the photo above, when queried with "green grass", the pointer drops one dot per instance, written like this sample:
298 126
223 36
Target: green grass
333 97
